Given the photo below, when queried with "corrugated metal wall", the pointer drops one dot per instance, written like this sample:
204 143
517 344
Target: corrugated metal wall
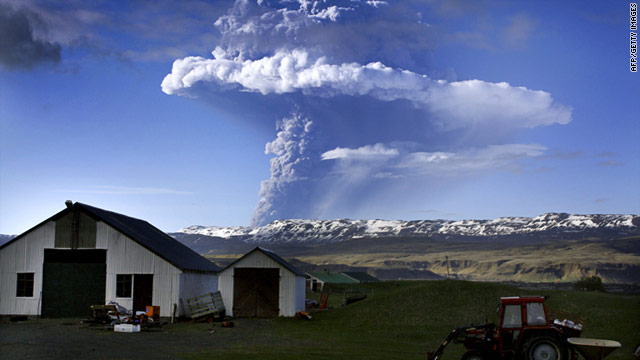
196 284
292 290
301 293
24 255
125 256
86 232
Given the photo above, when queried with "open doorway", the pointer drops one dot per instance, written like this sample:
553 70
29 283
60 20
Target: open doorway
142 291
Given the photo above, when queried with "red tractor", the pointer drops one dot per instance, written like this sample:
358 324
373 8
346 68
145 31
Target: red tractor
524 332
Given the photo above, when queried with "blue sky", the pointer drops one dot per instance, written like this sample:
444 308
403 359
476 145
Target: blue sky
238 113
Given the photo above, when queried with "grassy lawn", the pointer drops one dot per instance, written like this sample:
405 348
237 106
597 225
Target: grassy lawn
405 319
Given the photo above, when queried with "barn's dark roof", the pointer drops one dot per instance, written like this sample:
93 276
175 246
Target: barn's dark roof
146 235
360 276
154 239
272 255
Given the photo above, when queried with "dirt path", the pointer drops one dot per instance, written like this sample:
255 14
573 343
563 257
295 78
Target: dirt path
70 339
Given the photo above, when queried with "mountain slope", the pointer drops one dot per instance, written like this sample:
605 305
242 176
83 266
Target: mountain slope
6 238
547 248
315 231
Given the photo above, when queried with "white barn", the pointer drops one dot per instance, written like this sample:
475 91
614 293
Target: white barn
85 256
262 284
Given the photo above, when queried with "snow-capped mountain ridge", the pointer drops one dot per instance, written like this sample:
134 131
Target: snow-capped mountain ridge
298 230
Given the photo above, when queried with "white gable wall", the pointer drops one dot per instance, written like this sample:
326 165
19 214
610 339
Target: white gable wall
292 287
125 256
24 255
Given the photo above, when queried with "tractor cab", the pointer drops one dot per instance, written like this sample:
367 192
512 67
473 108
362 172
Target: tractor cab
519 318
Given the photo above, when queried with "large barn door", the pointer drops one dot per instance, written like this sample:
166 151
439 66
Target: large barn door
256 292
73 280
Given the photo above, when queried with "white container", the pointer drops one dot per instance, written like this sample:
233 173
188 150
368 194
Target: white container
128 328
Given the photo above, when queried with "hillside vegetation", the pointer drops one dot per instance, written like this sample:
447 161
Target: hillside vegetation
405 319
550 262
548 248
614 261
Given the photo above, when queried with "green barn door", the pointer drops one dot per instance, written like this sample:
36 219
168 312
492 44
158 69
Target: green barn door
73 281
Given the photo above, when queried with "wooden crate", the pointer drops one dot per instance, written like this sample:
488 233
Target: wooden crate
205 305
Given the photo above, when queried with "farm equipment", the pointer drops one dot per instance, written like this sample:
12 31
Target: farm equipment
353 295
525 332
593 348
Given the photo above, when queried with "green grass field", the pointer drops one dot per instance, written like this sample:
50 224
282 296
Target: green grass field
405 319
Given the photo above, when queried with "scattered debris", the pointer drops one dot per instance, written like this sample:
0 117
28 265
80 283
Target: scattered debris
311 304
109 313
104 314
302 315
127 328
120 309
114 314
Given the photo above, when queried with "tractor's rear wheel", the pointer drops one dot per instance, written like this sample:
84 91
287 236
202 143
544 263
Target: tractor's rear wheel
544 348
473 355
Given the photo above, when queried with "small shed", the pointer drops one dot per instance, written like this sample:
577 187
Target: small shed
317 280
360 276
262 284
83 256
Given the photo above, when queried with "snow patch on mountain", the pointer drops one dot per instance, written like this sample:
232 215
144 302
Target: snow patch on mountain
298 230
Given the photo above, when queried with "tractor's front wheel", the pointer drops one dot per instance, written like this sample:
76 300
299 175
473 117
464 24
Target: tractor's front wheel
544 348
473 355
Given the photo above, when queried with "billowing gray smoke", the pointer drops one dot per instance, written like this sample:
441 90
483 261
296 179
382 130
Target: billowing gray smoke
366 114
289 170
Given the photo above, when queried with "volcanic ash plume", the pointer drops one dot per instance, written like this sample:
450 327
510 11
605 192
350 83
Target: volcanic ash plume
360 71
281 193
